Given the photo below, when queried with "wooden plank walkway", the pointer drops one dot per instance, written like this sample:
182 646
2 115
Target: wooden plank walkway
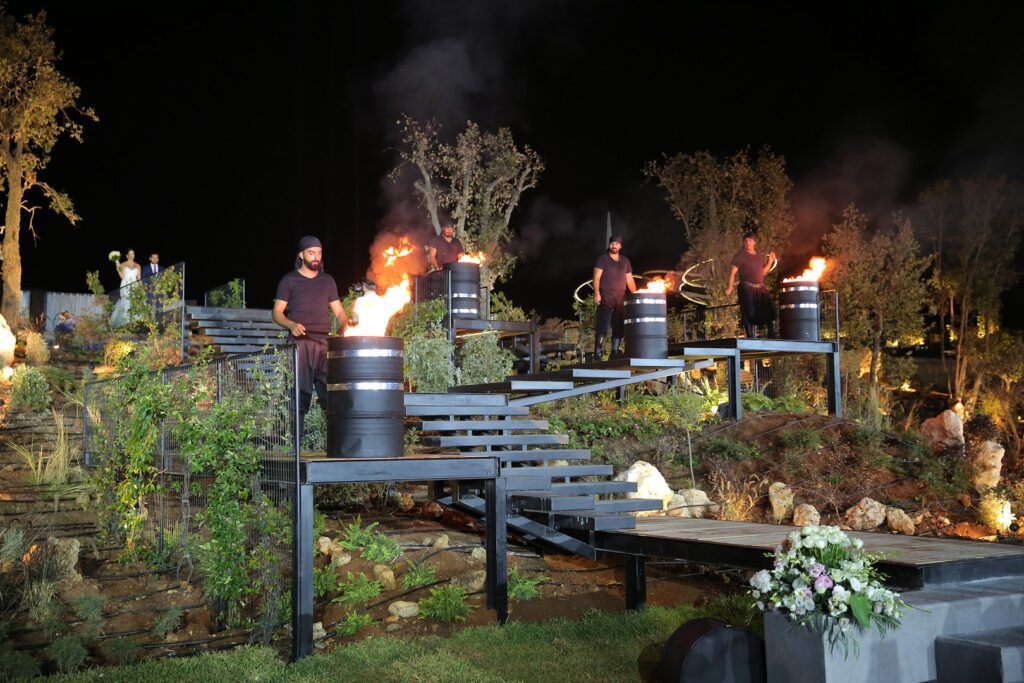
910 561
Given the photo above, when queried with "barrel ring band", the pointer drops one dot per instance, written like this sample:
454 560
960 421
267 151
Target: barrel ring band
466 310
631 321
464 295
638 302
366 353
788 306
366 386
800 289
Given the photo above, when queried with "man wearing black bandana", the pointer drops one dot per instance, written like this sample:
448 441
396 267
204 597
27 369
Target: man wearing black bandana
307 294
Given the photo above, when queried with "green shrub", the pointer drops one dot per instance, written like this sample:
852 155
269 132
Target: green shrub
319 524
502 308
520 588
122 650
351 624
36 351
446 603
29 389
60 379
89 608
314 428
801 440
168 623
724 448
354 536
325 581
68 653
418 574
382 549
482 361
17 666
789 404
428 361
358 589
755 401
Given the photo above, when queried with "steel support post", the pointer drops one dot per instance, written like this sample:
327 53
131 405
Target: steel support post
636 582
835 383
302 598
496 545
735 386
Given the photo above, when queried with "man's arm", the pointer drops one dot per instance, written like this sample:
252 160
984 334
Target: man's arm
297 329
630 282
339 312
432 258
770 263
732 279
597 285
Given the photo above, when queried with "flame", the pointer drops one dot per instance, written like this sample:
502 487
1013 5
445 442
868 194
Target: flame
813 273
392 254
478 257
656 286
374 311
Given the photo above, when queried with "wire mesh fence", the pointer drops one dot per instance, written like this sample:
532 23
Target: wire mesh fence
225 467
228 295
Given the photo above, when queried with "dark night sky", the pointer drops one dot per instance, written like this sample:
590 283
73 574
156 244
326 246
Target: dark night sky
228 130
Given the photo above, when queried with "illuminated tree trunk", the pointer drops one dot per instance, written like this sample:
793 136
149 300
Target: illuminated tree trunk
11 248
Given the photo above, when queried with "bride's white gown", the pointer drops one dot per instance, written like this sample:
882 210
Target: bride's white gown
119 316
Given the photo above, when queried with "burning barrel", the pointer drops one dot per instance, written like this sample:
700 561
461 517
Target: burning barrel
799 316
365 397
646 325
465 289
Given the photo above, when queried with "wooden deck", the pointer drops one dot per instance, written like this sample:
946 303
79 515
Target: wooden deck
910 561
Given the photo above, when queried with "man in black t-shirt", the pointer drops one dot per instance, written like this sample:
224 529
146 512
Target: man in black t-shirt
444 248
613 275
756 306
307 294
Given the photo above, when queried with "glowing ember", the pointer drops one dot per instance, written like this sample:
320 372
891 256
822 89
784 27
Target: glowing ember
374 311
818 265
655 286
478 257
392 254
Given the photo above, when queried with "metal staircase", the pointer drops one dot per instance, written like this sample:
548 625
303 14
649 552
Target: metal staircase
554 497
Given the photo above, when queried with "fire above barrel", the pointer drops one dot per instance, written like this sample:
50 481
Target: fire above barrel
365 397
464 280
646 325
799 316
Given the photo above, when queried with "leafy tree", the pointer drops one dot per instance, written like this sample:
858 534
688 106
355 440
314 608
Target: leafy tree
880 276
479 180
973 229
38 105
718 200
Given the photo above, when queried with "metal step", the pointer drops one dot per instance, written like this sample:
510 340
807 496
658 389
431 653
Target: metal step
551 503
215 313
629 505
561 471
543 455
514 387
455 398
578 374
469 411
526 483
591 521
481 425
496 440
588 487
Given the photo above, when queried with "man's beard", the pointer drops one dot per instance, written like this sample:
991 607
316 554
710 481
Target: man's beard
311 265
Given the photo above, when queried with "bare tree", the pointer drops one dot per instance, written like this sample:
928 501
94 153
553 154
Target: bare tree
478 179
973 229
38 105
880 276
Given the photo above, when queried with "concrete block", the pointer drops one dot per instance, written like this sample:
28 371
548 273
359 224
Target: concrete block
995 655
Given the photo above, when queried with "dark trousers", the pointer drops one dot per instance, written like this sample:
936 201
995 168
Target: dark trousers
756 308
312 353
609 318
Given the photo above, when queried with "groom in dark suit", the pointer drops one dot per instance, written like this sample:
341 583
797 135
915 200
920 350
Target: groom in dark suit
153 267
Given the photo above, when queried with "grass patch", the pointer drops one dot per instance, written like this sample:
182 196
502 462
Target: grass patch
598 647
801 440
724 448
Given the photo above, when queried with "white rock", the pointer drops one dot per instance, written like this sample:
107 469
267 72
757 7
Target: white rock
943 431
441 541
474 581
865 515
404 609
324 545
781 498
988 465
479 554
806 515
649 482
318 633
690 503
899 521
385 575
7 343
340 559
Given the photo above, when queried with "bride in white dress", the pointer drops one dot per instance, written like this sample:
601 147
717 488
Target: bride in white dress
130 272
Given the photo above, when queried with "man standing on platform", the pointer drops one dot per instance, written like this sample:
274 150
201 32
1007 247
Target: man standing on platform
613 275
444 248
307 294
756 307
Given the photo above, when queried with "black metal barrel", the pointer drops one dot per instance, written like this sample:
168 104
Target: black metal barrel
365 397
646 325
799 314
465 289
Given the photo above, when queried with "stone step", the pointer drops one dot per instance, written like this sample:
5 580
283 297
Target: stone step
995 655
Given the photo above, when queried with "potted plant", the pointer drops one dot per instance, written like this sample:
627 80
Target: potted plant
822 580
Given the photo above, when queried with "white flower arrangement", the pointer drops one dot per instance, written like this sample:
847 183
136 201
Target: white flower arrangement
114 256
823 579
